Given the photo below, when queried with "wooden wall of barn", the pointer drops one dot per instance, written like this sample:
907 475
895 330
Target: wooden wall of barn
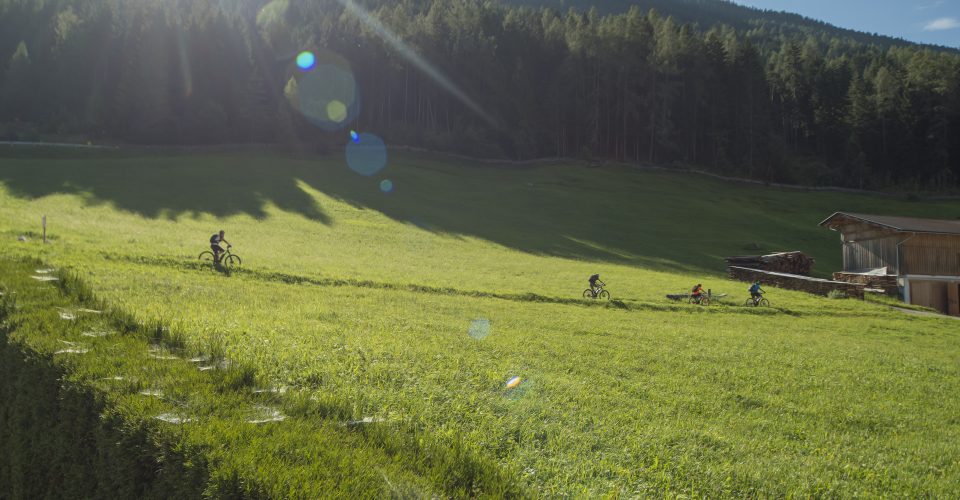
861 255
931 254
943 296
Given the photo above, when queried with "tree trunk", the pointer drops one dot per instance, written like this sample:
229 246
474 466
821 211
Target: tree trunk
653 119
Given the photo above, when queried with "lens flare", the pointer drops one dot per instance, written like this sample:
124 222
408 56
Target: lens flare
386 186
513 383
367 155
336 111
354 136
327 95
479 328
306 60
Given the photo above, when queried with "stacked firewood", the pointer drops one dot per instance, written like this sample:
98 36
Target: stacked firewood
783 262
795 282
885 282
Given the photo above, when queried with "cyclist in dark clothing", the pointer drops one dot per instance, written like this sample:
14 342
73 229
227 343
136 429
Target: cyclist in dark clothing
215 245
593 284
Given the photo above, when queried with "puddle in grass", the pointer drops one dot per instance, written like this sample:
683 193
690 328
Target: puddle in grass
97 333
363 421
161 353
265 414
164 357
271 390
71 314
72 350
222 365
172 418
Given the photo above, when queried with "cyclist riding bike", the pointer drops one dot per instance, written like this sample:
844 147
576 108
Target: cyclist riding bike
215 245
594 281
696 293
756 293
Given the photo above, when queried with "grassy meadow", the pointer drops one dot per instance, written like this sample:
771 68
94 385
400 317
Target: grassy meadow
413 308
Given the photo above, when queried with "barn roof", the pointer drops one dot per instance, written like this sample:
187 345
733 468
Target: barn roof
903 224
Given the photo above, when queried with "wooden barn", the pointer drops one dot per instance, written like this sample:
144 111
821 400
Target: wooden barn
923 254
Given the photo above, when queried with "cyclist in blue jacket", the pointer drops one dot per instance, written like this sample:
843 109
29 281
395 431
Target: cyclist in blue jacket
756 292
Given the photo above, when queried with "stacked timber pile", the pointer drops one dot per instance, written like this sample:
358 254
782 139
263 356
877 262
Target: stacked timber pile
795 282
783 262
885 282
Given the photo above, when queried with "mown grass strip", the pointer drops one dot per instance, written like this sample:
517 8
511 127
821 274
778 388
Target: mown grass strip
101 403
295 279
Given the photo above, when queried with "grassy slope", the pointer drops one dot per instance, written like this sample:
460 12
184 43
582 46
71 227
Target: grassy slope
817 396
112 359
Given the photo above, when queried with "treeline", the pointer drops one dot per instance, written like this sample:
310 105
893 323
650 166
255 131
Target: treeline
709 13
634 87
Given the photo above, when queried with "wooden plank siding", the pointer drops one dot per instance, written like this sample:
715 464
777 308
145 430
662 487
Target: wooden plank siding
867 247
862 255
953 299
932 294
931 255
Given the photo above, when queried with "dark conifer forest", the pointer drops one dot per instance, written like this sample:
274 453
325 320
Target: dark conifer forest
703 83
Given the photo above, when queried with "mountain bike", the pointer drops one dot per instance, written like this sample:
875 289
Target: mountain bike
703 299
596 293
758 301
227 258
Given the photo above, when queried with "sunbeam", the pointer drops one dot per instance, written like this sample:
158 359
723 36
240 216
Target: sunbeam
411 55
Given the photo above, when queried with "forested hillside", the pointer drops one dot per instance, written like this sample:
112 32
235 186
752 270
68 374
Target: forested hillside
708 13
489 80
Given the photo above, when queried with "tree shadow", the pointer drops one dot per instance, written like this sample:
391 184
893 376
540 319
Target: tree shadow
562 210
159 185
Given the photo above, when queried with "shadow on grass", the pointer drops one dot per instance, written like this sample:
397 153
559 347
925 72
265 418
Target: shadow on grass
157 185
532 212
665 222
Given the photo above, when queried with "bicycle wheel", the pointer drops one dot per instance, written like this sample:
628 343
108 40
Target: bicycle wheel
605 294
704 301
232 261
588 294
750 303
764 303
206 256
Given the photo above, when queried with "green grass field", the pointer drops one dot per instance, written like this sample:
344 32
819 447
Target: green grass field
364 302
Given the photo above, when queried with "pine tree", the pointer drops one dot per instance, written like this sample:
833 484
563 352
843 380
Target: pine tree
17 80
